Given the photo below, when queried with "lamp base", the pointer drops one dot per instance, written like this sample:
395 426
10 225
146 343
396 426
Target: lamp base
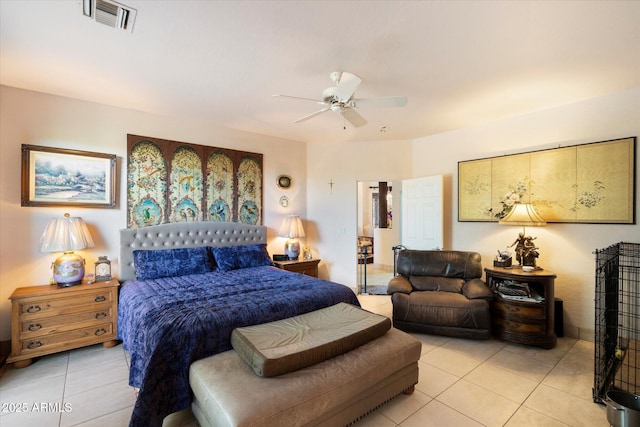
68 270
292 249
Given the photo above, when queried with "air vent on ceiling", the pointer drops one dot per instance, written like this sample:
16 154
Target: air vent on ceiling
110 13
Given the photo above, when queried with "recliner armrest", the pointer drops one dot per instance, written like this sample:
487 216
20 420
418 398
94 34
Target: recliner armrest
476 289
399 284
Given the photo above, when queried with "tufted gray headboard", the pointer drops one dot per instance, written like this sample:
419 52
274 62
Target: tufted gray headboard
184 235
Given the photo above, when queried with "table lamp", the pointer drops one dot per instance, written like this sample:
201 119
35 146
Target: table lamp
292 229
524 214
66 235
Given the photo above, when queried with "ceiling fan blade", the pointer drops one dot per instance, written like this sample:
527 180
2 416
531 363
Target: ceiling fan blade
302 119
383 102
353 117
319 101
347 86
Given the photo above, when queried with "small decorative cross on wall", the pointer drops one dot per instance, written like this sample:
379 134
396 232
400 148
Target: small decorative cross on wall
331 185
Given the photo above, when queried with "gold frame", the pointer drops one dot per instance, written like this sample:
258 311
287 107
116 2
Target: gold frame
68 192
587 183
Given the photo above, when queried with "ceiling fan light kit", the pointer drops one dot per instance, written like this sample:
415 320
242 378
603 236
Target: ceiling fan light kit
340 99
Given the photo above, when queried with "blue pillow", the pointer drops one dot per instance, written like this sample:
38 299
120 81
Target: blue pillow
234 257
153 264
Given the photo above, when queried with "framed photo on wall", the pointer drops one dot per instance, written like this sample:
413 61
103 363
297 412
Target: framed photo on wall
57 177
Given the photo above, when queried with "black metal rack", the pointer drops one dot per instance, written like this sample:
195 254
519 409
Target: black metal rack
617 320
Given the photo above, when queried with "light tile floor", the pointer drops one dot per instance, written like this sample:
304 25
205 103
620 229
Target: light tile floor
462 383
377 280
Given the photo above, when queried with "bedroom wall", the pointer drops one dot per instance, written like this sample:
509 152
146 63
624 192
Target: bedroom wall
33 118
332 209
566 249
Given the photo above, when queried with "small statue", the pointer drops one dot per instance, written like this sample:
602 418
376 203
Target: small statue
519 244
526 251
529 252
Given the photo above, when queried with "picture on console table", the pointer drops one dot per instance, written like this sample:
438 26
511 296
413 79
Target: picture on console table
588 183
62 177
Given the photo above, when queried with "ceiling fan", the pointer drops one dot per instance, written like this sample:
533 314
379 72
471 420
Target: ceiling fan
340 99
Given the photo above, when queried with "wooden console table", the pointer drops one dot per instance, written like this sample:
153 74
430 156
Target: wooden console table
523 321
47 319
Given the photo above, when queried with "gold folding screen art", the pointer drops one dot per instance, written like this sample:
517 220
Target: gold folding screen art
588 183
170 181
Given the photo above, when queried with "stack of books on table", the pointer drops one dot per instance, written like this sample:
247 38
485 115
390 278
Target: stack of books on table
518 291
534 297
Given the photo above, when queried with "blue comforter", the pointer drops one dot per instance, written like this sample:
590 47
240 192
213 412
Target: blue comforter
168 323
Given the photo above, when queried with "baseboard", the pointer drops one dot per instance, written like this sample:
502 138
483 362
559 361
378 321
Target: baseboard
573 331
383 267
587 334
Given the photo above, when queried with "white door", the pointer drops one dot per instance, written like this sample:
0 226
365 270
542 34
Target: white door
421 207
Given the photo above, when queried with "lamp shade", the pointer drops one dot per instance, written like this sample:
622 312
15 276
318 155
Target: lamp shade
523 214
291 227
66 234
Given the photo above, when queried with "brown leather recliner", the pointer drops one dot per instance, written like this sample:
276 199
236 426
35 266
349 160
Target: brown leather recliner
441 292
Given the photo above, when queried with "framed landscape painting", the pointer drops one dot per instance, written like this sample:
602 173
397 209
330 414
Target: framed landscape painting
588 183
61 177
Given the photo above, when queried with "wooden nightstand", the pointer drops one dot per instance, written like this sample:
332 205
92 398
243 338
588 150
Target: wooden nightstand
48 319
523 322
305 266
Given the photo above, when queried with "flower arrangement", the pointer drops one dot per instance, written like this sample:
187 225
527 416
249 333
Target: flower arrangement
515 194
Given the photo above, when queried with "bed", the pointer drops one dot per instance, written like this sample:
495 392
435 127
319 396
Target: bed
191 285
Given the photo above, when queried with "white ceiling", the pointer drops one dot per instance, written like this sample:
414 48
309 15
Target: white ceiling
460 63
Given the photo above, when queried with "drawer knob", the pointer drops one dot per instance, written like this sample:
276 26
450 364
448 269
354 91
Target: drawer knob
34 344
35 326
101 331
515 325
101 315
100 298
33 309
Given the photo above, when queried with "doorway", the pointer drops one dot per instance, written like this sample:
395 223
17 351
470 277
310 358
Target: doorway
378 232
413 209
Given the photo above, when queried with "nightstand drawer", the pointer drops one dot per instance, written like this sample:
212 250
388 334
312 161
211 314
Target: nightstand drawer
513 326
88 335
67 322
308 271
519 309
64 304
308 267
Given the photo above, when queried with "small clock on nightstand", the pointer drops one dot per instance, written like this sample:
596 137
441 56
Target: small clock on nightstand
103 269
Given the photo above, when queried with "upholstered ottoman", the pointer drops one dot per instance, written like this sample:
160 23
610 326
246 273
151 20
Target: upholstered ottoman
335 391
